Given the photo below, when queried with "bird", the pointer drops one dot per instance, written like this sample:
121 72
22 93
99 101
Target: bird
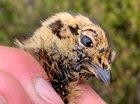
71 48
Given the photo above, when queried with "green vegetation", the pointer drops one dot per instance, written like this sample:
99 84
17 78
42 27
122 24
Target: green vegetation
120 18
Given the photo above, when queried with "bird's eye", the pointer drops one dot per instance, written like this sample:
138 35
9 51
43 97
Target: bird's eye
86 41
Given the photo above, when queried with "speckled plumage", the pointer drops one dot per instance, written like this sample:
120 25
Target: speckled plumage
71 48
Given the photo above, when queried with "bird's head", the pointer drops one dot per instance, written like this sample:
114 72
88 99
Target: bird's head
84 43
75 40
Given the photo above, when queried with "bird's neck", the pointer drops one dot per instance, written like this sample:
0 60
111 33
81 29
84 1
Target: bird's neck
61 69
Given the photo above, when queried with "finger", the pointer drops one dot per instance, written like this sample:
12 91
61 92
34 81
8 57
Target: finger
30 74
89 96
11 91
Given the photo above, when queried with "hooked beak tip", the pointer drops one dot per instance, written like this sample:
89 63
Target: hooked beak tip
103 75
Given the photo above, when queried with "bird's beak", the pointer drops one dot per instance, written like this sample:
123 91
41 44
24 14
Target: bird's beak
103 75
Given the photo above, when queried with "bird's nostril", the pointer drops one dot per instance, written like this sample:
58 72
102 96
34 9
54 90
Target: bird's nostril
100 60
105 66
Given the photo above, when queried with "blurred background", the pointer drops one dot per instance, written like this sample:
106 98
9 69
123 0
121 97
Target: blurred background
121 20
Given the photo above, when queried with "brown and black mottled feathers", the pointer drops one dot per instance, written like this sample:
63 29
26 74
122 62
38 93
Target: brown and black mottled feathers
71 48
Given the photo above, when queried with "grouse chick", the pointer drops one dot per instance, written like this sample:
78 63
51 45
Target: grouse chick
71 48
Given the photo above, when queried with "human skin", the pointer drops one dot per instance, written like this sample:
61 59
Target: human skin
23 81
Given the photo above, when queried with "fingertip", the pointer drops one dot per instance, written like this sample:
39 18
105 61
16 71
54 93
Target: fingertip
89 96
46 91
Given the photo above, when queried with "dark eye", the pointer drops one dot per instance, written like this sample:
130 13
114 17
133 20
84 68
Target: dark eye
86 41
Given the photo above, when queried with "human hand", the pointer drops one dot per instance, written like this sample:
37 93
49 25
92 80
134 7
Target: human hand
23 81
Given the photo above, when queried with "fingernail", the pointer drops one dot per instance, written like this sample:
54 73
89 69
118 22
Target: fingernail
3 100
46 91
